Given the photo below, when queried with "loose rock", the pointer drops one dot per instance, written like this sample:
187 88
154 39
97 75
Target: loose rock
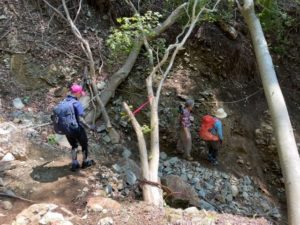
106 221
6 205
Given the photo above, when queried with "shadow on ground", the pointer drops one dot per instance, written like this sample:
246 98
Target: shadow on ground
45 173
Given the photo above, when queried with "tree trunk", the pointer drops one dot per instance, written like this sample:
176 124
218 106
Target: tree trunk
286 144
115 138
118 77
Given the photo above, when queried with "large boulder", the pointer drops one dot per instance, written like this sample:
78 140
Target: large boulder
43 213
182 194
97 204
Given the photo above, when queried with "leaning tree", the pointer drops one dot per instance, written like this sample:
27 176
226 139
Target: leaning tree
286 144
150 161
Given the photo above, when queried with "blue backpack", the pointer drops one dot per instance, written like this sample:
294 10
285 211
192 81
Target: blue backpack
64 117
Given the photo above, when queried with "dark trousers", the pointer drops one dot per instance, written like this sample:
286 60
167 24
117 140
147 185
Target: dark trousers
213 149
79 136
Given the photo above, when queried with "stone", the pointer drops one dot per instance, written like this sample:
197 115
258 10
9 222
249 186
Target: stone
208 186
33 214
6 205
19 153
258 133
9 192
130 177
195 180
207 206
187 196
101 193
98 202
1 182
106 139
51 217
123 123
18 104
233 33
225 176
245 195
8 157
191 210
173 160
189 176
247 180
129 164
126 153
202 193
108 189
101 129
117 168
275 212
229 198
174 216
184 177
101 85
240 161
166 163
266 207
106 221
221 198
163 156
234 190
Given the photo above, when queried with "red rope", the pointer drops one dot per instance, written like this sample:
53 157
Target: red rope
142 106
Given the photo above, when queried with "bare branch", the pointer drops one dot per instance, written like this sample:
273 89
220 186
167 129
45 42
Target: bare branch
78 11
180 45
238 4
56 10
117 78
87 50
141 141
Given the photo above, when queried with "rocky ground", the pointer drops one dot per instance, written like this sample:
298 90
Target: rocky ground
40 58
37 187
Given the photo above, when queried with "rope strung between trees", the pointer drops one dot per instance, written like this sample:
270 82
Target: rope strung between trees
202 102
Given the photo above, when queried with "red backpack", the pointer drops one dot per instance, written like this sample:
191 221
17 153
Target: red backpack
207 124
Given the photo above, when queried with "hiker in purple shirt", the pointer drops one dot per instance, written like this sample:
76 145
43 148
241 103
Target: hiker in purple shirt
78 135
184 144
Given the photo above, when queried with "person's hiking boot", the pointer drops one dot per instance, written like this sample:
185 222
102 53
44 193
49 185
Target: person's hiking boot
189 158
87 163
75 165
210 159
215 162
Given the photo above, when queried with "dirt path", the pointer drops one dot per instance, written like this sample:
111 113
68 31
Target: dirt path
48 181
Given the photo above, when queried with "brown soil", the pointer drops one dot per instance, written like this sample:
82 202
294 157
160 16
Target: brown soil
213 68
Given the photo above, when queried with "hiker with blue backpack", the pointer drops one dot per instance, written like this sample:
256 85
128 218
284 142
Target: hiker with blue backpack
68 119
211 132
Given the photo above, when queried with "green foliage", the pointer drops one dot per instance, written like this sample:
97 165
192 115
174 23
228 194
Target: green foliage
146 129
275 21
159 47
224 10
51 139
121 39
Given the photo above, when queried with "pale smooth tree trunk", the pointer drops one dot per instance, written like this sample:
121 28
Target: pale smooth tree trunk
118 77
153 191
286 144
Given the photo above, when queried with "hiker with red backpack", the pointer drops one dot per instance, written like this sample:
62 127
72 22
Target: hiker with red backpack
211 132
184 144
68 120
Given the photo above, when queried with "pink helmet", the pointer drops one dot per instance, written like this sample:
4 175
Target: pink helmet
77 89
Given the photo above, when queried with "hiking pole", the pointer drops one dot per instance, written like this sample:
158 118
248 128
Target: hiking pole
35 126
